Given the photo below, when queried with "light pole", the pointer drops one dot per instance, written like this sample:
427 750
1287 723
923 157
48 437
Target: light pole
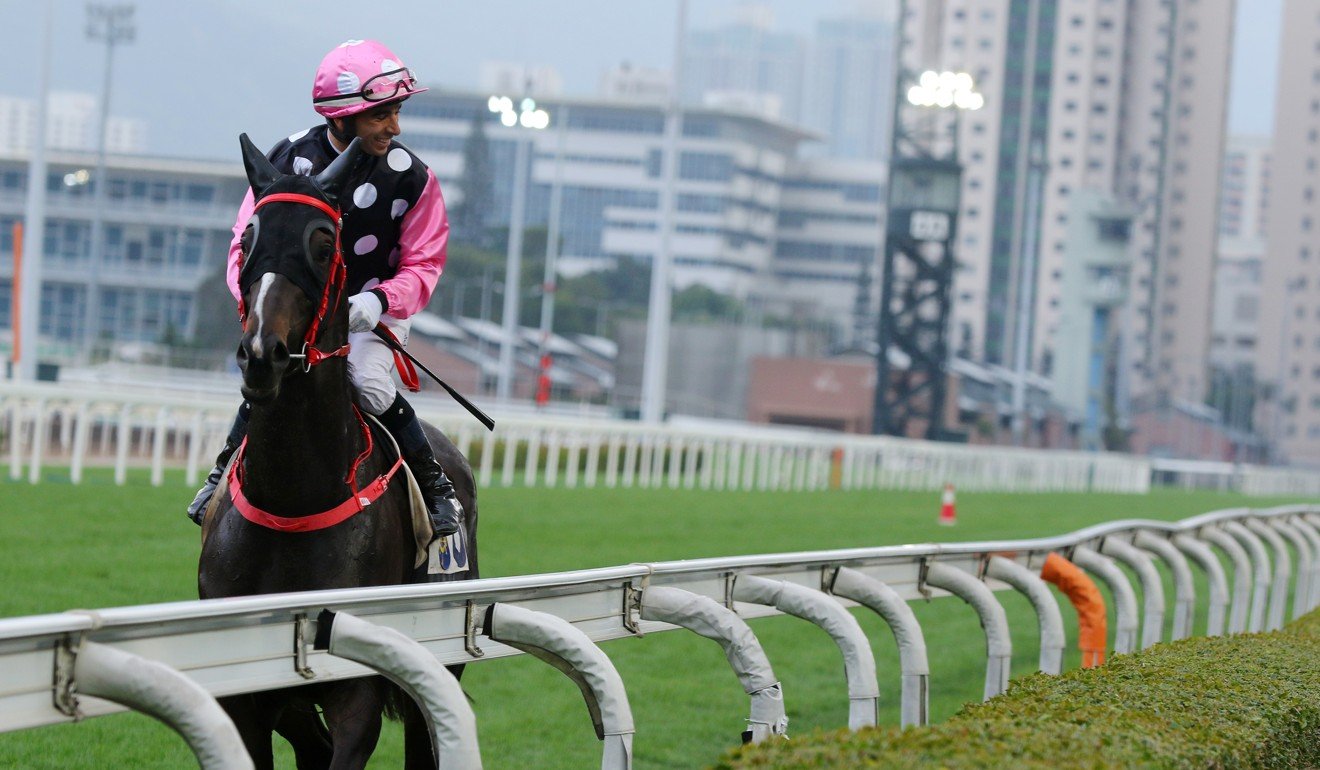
112 25
28 292
1026 290
527 116
1277 455
550 281
923 188
655 365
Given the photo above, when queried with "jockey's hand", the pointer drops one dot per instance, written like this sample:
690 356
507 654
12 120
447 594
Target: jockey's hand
363 312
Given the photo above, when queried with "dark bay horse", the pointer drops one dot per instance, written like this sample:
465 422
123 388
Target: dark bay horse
307 454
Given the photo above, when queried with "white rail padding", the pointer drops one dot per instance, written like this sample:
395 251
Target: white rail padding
1282 572
1312 535
824 611
1184 588
914 703
1050 618
1305 565
1204 556
449 717
160 691
557 642
1260 573
1125 599
998 644
707 617
1237 612
1152 587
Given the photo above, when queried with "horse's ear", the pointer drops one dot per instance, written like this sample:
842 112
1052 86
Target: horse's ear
345 167
261 173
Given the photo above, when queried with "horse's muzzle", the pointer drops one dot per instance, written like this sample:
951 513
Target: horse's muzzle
263 359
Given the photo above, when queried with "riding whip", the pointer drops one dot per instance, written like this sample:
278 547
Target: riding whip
389 339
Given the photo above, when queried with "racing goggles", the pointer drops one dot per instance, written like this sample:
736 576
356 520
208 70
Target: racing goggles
378 88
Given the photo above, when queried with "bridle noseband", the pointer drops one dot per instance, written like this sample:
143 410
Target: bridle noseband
310 354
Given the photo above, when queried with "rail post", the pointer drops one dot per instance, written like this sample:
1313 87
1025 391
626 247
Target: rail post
1125 599
1049 616
998 643
821 609
712 620
914 705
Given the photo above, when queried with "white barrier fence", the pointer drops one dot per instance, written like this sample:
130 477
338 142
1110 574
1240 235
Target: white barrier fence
81 426
172 660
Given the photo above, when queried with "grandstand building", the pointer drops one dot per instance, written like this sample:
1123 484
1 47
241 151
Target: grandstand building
753 218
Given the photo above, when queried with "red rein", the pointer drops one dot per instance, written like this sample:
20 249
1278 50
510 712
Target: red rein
338 275
359 498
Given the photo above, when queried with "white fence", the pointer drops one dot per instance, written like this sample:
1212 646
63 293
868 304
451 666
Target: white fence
172 660
83 425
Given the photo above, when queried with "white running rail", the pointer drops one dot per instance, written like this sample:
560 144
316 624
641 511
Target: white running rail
230 646
81 426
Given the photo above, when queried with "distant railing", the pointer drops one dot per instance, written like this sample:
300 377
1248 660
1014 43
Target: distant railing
82 425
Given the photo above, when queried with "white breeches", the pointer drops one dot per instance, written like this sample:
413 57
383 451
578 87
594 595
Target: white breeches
371 365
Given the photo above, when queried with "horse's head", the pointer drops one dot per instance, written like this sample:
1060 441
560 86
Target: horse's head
292 275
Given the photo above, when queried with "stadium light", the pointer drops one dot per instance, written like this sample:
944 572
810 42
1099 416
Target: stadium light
944 90
528 115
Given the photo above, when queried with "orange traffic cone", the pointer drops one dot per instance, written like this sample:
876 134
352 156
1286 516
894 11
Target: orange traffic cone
948 517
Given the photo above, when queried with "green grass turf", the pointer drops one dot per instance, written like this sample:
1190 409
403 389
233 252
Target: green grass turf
98 545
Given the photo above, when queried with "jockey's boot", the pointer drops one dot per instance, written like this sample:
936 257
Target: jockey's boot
236 433
446 513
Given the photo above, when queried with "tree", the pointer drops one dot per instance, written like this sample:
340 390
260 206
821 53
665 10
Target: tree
471 216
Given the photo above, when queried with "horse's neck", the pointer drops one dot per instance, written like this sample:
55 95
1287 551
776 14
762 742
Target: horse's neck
301 446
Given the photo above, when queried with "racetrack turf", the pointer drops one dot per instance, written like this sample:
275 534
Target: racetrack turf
98 545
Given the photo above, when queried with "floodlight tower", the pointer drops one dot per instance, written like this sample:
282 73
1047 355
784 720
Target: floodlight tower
924 184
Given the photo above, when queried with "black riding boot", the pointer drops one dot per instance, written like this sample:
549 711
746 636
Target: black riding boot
442 504
236 433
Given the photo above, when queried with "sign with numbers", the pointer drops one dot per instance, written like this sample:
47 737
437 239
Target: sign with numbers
929 226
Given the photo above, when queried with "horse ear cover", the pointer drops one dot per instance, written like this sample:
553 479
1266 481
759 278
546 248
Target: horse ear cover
261 173
347 166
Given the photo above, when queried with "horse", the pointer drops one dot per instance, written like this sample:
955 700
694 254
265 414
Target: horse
308 451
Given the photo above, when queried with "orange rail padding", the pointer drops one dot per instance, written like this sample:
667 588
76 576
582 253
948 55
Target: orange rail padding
1092 628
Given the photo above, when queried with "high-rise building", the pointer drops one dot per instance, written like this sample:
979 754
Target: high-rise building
1125 98
747 61
1288 350
1243 216
849 96
72 120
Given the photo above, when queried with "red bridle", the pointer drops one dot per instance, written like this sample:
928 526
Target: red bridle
311 355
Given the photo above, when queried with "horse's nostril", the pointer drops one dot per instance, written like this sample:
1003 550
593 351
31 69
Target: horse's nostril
280 352
242 354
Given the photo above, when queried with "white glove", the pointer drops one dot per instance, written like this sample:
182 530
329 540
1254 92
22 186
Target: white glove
363 312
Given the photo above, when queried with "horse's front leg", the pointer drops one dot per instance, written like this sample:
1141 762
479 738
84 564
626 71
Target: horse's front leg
253 717
352 711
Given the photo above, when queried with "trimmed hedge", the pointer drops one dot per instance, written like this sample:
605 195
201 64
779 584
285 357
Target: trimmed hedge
1249 701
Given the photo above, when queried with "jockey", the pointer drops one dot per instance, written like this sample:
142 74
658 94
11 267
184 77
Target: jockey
394 234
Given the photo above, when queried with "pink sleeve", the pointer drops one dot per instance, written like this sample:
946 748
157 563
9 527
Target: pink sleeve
240 224
423 240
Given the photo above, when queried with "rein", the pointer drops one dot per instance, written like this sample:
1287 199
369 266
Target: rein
357 499
310 354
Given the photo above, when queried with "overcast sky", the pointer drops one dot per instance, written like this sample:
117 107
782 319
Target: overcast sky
202 71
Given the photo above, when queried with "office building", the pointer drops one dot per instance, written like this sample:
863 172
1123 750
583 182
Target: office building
1288 349
1128 99
72 120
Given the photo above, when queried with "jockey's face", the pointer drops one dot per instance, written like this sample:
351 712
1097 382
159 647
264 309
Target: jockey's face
376 127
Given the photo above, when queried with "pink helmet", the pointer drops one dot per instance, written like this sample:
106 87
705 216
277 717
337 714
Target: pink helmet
358 75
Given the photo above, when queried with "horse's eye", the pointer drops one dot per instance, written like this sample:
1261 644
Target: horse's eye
322 250
245 241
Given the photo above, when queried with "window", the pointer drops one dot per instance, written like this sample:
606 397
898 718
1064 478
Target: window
705 166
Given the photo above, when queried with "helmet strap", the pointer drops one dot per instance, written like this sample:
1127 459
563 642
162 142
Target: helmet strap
348 132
